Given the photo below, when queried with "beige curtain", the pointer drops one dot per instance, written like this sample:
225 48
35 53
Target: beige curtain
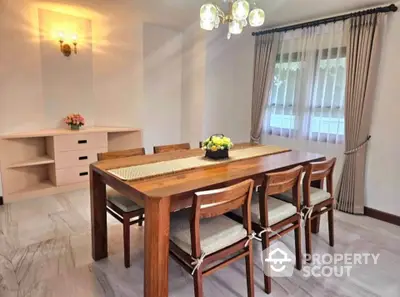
363 53
265 51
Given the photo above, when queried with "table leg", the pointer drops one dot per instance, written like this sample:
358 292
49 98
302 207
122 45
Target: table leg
99 216
156 247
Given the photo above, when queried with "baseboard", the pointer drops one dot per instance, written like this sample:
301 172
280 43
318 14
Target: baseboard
382 216
1 200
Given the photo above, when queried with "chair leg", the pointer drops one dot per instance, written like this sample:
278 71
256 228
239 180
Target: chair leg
250 271
127 239
308 240
198 283
331 228
297 238
141 219
267 279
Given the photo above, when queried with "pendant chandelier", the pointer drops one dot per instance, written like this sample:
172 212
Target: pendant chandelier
212 15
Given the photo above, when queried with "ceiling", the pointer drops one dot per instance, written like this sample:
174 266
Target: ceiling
181 13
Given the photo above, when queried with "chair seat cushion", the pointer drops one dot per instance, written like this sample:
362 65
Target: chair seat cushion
215 233
316 196
278 210
120 201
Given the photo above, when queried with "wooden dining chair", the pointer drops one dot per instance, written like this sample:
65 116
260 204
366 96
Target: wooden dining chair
171 148
275 215
203 240
272 218
121 208
315 200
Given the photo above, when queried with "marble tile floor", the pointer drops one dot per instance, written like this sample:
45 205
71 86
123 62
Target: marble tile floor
45 250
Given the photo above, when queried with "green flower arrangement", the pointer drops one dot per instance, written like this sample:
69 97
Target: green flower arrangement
217 143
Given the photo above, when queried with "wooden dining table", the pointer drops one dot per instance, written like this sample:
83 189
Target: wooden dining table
161 195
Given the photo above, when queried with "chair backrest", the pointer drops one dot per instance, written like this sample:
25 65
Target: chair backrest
212 203
171 148
315 175
282 181
278 183
121 154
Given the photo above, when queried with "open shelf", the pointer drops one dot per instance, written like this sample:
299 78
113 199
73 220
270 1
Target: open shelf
43 185
42 160
44 188
31 162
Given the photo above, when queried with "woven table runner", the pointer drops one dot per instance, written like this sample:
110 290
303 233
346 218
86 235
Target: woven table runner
171 166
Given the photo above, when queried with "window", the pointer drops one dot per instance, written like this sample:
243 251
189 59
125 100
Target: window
282 98
307 96
327 117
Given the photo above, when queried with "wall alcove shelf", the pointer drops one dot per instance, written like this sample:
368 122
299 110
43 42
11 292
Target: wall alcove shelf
48 162
41 160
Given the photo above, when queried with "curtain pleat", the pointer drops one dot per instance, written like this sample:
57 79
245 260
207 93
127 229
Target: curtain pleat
265 51
363 46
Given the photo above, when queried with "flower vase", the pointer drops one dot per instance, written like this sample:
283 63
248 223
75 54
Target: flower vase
217 155
75 127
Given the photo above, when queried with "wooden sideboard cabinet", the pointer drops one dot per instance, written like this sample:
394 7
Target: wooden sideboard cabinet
48 162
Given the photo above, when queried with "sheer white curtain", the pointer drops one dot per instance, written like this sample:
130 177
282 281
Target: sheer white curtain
306 100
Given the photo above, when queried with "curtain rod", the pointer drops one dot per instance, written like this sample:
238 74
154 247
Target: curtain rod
382 9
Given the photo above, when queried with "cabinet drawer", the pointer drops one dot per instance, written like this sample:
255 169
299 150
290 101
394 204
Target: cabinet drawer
79 141
72 175
77 158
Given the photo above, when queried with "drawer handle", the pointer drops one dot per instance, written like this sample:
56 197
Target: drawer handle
83 173
83 158
82 141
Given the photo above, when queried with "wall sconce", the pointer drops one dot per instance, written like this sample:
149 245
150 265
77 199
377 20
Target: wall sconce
65 47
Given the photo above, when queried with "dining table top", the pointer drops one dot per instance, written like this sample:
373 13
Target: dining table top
184 182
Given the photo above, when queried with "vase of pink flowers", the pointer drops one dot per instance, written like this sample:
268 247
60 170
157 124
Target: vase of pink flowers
75 121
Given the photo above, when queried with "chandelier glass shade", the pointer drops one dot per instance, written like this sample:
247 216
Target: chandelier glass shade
212 15
257 17
205 25
208 12
240 10
235 27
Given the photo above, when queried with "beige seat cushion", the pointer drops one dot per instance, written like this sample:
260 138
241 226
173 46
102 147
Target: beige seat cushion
316 196
277 210
120 201
215 233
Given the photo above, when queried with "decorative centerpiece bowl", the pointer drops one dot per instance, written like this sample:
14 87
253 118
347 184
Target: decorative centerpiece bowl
217 146
75 121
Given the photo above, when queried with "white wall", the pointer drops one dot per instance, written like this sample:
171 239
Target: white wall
104 81
118 66
39 86
66 82
193 85
229 78
21 103
162 56
216 88
383 161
